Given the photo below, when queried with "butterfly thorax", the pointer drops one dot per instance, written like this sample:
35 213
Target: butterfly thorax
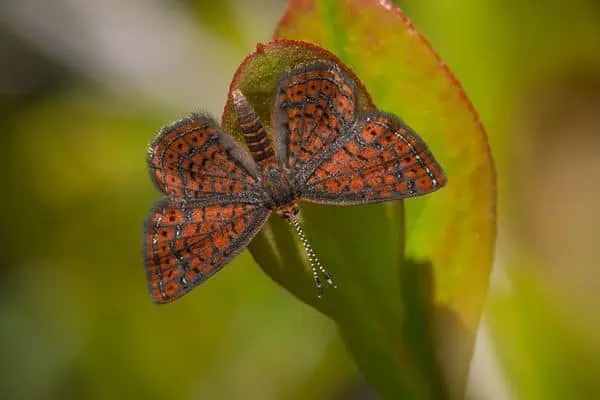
281 198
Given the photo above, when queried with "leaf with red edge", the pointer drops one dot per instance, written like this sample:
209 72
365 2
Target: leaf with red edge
412 281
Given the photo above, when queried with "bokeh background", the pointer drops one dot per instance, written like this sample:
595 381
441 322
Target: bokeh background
85 84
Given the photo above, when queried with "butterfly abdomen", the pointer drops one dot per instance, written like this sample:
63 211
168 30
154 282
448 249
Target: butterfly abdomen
254 132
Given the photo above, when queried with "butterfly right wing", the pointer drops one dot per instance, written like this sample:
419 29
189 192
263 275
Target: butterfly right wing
186 242
315 106
382 159
194 159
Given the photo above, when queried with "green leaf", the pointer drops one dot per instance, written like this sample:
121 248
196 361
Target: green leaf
412 280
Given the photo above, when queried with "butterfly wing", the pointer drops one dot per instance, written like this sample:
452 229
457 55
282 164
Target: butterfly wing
216 205
193 159
314 107
185 242
382 159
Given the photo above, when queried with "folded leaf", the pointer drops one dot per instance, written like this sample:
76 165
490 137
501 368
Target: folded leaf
411 280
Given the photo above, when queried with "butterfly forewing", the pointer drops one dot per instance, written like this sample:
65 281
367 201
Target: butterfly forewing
383 159
193 159
187 241
315 105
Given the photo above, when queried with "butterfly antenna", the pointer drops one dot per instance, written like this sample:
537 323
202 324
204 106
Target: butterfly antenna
315 265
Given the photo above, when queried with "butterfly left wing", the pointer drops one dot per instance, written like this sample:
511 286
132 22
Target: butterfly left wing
383 159
193 158
186 242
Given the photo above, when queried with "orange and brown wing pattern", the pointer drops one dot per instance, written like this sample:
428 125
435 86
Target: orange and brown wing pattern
185 242
382 160
193 159
315 105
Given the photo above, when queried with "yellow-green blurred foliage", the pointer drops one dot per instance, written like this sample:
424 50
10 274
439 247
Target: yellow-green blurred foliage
85 85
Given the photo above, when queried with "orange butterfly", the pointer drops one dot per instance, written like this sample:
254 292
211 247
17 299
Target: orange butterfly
220 194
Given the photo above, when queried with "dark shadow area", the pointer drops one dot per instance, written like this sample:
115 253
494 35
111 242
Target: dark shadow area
356 390
434 333
416 282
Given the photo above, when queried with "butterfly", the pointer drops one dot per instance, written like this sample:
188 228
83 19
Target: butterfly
220 193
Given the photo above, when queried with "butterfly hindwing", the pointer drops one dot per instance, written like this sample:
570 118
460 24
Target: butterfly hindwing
314 105
185 242
382 159
194 159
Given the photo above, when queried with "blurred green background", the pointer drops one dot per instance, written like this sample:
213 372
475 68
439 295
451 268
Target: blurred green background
84 85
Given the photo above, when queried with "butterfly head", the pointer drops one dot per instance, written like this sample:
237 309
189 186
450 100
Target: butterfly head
288 211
